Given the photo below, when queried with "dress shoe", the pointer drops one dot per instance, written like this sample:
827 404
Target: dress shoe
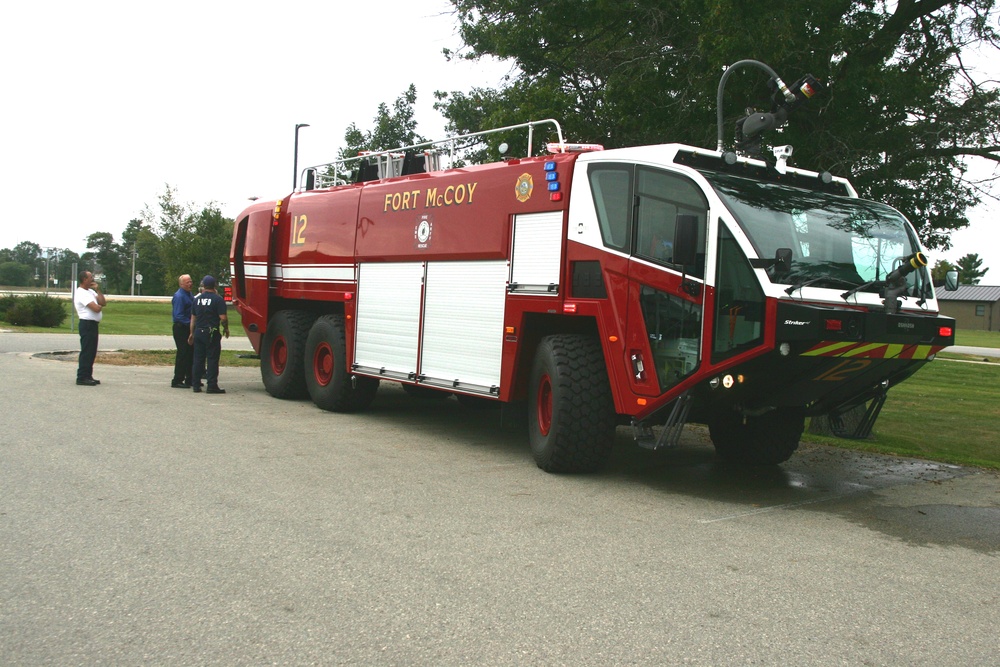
95 381
88 382
180 385
215 390
196 389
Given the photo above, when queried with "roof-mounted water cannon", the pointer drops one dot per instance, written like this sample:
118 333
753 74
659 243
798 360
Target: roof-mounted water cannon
784 100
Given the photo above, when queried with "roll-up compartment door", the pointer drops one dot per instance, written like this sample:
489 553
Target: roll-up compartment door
388 318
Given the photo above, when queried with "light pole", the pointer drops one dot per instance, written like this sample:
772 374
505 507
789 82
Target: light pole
295 163
48 256
134 253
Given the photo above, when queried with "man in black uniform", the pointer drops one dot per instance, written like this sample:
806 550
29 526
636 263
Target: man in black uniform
208 316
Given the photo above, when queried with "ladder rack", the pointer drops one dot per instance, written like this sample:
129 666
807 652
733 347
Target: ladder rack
399 161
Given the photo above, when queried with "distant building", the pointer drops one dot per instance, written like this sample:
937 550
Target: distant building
974 307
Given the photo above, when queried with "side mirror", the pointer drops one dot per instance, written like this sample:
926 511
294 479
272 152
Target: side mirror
310 179
951 281
782 261
686 239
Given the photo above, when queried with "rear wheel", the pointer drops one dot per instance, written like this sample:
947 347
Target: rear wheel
328 377
767 439
282 354
571 415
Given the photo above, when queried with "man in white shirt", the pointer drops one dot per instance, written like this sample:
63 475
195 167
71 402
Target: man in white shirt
89 304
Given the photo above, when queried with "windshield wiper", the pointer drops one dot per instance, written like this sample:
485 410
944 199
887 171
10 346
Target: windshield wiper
813 281
855 290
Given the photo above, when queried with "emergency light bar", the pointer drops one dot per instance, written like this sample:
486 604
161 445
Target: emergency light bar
573 148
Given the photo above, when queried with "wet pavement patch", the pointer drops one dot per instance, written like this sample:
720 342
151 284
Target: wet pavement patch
976 528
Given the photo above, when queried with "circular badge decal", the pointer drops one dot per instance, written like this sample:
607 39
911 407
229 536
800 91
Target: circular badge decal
524 187
422 232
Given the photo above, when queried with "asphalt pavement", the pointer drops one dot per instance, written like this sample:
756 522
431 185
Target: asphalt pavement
991 352
141 524
68 342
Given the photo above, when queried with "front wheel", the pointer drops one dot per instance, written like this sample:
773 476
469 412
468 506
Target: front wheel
328 378
282 351
571 415
767 439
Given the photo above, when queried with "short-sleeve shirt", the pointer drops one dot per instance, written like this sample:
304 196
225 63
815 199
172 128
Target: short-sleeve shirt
182 303
208 306
81 298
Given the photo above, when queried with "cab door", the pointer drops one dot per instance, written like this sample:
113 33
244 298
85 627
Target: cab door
666 279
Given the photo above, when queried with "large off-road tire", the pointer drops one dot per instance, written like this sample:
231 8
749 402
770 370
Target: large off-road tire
328 376
282 353
764 440
571 414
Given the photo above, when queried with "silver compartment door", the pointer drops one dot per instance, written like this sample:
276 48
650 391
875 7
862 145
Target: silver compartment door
388 318
463 325
536 256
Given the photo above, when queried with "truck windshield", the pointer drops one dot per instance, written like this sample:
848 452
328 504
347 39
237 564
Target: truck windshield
835 241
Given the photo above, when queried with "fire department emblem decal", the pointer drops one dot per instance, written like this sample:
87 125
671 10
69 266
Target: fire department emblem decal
422 232
524 187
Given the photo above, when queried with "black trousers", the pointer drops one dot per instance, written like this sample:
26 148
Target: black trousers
88 349
185 353
207 349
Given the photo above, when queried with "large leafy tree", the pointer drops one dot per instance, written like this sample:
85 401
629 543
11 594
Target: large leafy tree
191 241
903 114
392 127
15 274
108 258
140 239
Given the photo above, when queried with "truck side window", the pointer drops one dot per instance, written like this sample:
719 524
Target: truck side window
611 185
663 196
739 301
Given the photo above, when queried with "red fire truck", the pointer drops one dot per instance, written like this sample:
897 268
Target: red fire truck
648 286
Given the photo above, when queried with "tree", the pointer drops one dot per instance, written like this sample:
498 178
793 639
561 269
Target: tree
969 272
26 253
15 274
902 114
140 238
109 258
940 271
193 243
62 267
392 129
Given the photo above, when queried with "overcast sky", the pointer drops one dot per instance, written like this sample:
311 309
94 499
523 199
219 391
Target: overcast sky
105 102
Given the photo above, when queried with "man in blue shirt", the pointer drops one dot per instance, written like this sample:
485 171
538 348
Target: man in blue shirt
182 324
209 323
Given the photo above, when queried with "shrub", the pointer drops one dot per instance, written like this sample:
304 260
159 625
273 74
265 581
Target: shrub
7 302
36 310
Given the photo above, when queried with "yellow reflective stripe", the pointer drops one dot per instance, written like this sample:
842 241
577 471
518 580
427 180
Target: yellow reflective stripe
892 351
820 351
921 352
862 349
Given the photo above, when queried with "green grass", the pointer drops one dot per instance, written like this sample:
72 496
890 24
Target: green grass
133 318
166 358
977 338
948 411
